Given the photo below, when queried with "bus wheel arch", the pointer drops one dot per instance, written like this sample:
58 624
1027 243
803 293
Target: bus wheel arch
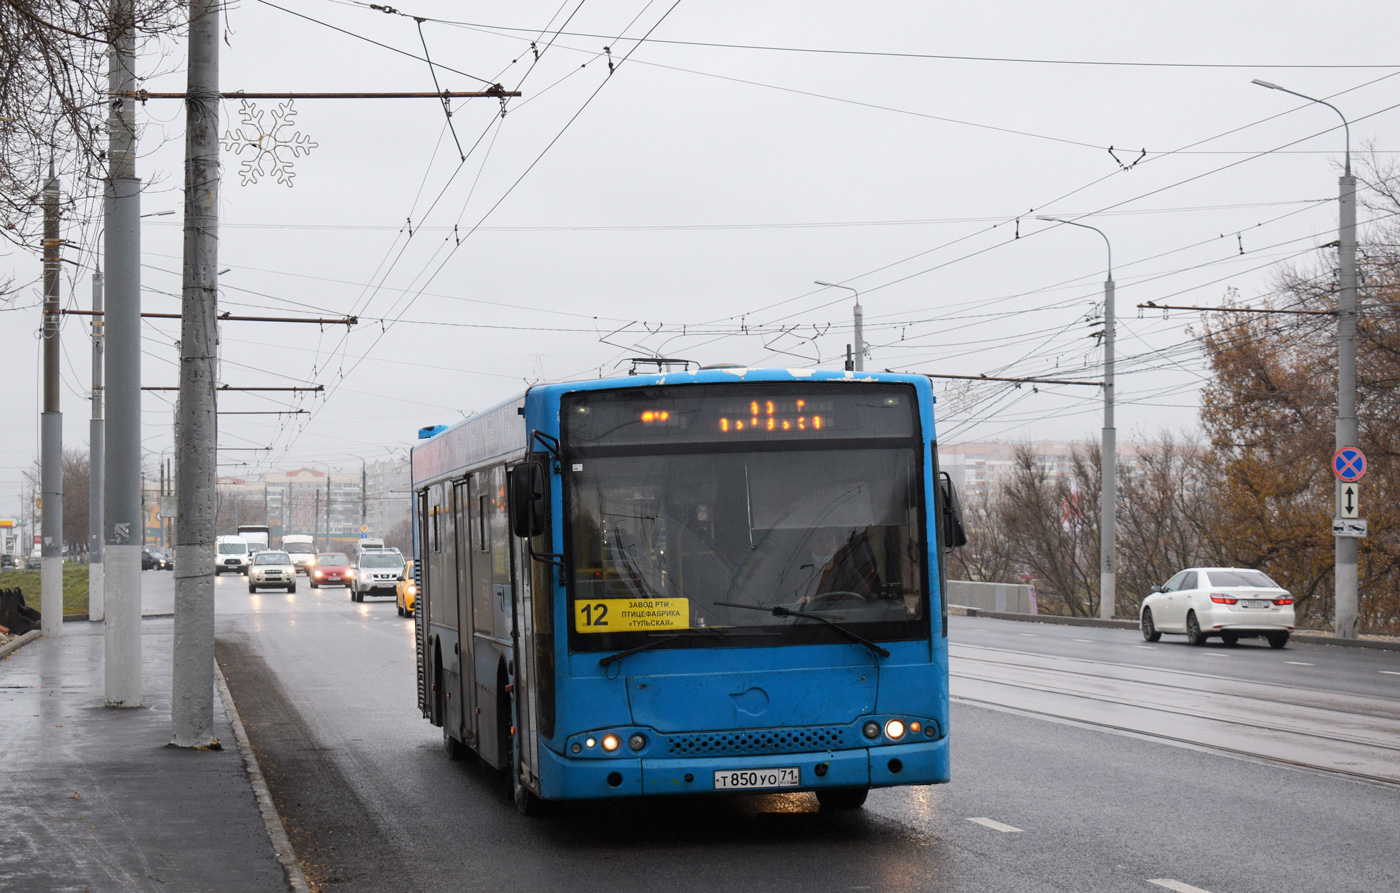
842 798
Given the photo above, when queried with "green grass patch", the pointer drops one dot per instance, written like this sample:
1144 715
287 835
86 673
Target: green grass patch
75 586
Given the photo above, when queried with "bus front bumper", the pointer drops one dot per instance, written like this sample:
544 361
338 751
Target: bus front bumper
925 762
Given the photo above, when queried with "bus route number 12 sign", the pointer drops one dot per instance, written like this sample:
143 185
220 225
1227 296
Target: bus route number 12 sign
1349 464
620 615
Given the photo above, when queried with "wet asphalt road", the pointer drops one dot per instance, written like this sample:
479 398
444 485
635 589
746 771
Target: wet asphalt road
326 689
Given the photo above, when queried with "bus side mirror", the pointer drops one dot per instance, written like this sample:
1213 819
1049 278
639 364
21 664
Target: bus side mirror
529 500
954 533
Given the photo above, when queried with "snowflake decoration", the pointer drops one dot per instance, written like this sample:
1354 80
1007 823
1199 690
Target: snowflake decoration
273 147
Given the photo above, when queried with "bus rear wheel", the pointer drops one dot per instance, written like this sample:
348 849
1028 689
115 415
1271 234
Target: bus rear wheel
842 798
454 749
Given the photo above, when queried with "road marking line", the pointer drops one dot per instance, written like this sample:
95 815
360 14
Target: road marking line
1090 641
1297 663
1178 886
1390 673
1028 635
1208 654
996 826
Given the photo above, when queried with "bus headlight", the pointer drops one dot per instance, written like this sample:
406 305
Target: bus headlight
894 729
637 741
871 730
610 742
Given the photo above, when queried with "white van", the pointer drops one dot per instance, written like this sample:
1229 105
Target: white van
369 544
302 548
231 555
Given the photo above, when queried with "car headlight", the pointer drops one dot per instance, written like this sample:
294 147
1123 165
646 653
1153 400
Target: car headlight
412 590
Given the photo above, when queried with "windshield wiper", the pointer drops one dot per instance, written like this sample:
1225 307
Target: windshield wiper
780 611
659 639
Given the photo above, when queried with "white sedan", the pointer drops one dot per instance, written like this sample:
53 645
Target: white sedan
270 568
1230 602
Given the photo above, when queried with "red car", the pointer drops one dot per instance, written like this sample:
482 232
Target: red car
330 567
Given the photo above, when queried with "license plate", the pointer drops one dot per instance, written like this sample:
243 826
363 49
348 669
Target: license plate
1256 603
742 779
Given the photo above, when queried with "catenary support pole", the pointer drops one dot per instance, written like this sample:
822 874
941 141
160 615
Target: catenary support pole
123 524
192 692
1108 457
1108 460
1346 602
1347 605
51 429
96 435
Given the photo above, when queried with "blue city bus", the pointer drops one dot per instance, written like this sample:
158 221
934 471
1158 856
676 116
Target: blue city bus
710 581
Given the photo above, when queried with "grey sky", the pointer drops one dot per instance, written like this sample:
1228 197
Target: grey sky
684 204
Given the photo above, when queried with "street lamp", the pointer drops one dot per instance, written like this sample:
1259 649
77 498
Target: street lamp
1108 463
860 341
1346 599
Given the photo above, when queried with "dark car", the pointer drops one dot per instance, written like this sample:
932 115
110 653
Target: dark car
155 559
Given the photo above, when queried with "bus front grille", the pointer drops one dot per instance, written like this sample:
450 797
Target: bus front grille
759 741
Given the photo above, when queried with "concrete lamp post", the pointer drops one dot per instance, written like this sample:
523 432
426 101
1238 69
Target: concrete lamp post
1108 464
860 340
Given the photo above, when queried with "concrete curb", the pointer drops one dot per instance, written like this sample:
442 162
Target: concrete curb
15 644
84 617
281 843
1310 637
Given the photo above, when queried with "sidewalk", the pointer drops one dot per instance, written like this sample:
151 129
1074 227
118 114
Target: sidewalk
91 798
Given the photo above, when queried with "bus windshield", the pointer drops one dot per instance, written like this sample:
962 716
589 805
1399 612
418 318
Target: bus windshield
675 534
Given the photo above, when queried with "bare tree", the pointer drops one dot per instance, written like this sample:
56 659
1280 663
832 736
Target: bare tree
1055 530
990 554
75 498
53 97
400 537
1166 516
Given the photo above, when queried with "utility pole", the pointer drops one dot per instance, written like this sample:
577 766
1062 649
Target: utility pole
51 427
859 324
1108 450
123 525
1346 599
95 461
1347 606
192 691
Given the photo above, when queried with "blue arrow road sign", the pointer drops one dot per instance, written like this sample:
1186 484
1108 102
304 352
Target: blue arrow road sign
1349 464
